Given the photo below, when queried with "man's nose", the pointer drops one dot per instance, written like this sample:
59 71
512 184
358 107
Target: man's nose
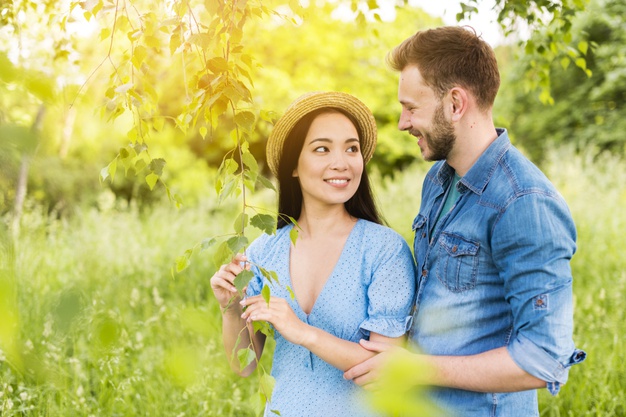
404 123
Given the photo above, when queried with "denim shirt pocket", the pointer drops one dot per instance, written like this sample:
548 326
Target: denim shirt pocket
457 266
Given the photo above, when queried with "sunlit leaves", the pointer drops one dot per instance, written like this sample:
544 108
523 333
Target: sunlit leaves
245 120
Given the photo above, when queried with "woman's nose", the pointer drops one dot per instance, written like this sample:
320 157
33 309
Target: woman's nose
339 161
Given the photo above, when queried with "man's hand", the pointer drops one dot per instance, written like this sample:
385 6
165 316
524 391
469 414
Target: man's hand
367 374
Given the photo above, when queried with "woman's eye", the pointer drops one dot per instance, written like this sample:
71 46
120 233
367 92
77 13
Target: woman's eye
321 149
353 149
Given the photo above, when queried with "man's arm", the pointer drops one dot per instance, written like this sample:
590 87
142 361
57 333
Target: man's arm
491 371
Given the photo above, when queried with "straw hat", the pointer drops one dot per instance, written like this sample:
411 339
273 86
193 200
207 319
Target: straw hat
313 101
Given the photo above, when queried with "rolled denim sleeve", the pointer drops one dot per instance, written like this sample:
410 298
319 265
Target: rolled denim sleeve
534 241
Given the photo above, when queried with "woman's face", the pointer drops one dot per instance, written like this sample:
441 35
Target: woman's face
330 164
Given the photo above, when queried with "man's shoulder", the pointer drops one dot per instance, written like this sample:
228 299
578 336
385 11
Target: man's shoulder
520 175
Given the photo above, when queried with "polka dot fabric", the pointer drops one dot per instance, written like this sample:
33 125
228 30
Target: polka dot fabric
371 289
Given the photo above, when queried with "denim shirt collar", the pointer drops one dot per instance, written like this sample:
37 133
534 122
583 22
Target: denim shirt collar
478 176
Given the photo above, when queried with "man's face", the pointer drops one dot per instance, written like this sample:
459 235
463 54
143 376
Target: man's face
423 116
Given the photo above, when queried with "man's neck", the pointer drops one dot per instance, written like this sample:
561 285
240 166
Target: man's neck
474 135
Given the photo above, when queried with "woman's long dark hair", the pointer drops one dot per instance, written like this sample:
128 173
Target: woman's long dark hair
361 205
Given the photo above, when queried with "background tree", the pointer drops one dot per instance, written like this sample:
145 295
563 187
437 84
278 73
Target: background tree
588 111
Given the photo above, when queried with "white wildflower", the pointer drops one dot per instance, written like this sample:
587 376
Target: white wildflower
134 297
158 301
24 396
47 328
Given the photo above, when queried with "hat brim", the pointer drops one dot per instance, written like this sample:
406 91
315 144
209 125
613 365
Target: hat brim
313 101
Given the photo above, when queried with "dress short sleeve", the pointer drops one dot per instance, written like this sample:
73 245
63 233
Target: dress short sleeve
392 289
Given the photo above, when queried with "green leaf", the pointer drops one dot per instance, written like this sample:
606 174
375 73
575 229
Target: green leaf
271 276
583 46
293 235
217 65
182 262
175 42
104 173
140 165
275 412
228 189
266 183
246 357
291 293
236 243
266 386
242 280
151 180
157 165
241 223
264 222
245 120
8 72
228 167
223 254
139 55
263 327
249 161
207 243
266 293
565 61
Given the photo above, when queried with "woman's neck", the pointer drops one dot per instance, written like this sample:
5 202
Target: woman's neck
325 222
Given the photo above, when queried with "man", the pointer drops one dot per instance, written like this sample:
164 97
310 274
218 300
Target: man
493 241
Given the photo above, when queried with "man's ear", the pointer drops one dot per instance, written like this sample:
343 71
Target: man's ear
459 100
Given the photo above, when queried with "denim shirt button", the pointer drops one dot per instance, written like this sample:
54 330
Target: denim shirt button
424 272
454 248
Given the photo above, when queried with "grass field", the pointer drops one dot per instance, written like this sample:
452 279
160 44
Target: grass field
92 323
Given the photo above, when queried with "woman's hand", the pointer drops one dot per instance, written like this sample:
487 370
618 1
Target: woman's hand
222 283
279 314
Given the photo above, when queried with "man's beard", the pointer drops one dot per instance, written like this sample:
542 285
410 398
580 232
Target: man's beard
441 139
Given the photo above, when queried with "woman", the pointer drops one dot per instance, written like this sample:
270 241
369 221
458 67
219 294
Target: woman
352 278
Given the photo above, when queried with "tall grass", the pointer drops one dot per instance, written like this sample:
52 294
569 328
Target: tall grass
93 323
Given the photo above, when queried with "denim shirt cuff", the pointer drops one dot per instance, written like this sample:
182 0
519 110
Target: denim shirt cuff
537 362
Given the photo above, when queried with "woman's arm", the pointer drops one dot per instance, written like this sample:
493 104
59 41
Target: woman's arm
234 327
340 353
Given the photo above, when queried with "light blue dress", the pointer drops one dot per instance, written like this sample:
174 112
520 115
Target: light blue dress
371 289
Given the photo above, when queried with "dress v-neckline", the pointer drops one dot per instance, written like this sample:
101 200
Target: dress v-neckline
328 279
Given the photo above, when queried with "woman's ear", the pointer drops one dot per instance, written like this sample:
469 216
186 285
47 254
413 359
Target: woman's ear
295 172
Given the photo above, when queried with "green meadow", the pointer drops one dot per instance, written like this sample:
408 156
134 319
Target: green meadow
94 323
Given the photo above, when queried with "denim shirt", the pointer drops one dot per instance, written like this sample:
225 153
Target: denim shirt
493 272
